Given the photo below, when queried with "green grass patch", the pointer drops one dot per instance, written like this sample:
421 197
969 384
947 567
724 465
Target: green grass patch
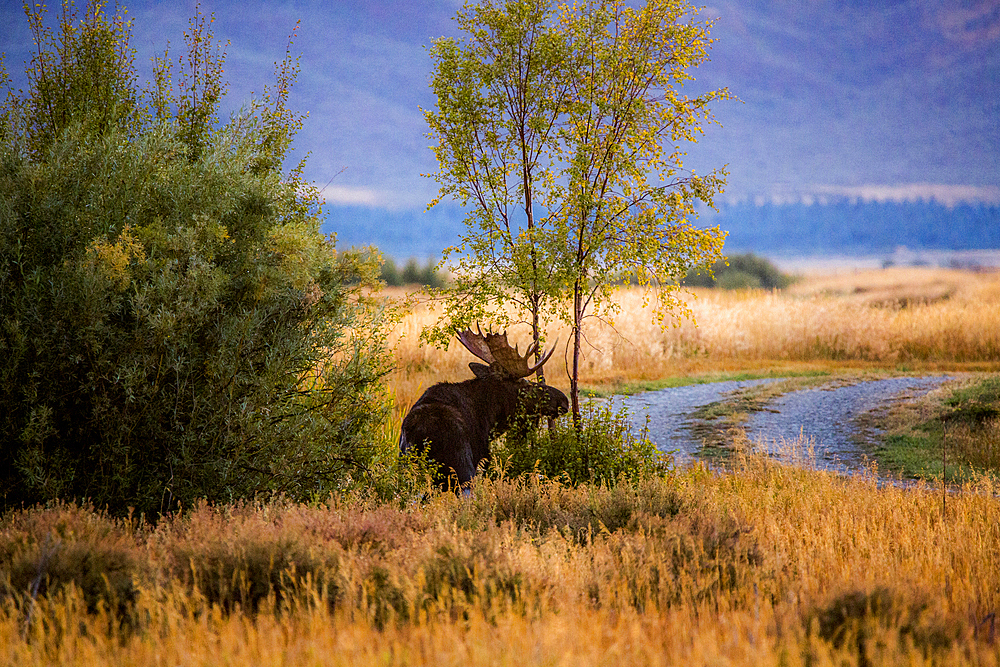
916 455
630 387
953 432
921 455
976 402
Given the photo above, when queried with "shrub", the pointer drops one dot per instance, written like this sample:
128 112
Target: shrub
857 616
172 323
43 550
245 552
538 505
604 450
411 274
739 272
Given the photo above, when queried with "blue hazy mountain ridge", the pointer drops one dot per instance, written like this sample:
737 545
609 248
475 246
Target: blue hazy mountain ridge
853 93
840 227
857 228
397 233
836 96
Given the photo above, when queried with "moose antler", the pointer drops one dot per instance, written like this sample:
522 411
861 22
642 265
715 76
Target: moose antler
476 344
497 352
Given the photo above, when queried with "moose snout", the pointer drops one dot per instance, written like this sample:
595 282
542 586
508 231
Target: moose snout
558 402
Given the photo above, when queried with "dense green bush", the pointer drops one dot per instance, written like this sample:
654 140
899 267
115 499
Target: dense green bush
604 450
411 273
172 323
739 272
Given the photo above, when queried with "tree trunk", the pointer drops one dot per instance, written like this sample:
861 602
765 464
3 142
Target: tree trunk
536 335
574 381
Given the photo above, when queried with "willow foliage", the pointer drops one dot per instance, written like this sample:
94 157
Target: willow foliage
172 323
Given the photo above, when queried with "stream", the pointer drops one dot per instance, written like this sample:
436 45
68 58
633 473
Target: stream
823 416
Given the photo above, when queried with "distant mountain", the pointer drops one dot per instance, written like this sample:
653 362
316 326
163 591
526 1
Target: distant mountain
400 234
853 93
844 93
838 227
857 228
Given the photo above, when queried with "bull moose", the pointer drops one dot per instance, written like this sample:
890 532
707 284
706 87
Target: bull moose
455 422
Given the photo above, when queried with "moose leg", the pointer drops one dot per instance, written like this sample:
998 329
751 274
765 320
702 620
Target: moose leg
451 450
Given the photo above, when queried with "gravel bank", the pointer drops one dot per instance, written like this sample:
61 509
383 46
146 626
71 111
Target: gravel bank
669 412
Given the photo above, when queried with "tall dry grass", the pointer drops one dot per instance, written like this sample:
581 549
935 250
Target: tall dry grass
918 317
769 565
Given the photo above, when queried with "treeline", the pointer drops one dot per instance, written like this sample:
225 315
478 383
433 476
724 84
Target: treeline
412 273
840 227
846 227
739 272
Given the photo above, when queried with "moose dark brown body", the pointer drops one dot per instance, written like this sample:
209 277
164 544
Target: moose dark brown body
457 421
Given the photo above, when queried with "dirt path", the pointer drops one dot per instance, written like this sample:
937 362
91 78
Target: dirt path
687 419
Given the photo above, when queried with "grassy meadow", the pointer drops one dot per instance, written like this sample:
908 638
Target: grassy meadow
899 318
766 565
769 565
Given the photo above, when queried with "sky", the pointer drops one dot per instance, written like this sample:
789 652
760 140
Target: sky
891 100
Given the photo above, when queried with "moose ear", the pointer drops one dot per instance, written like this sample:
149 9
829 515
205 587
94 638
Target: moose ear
480 370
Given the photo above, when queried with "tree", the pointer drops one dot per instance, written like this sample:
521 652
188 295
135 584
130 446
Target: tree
625 209
500 93
739 272
605 122
172 323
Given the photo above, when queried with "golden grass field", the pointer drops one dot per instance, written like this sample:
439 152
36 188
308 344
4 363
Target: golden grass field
897 318
765 565
769 565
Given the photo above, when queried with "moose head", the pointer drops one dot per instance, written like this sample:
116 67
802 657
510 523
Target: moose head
455 422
